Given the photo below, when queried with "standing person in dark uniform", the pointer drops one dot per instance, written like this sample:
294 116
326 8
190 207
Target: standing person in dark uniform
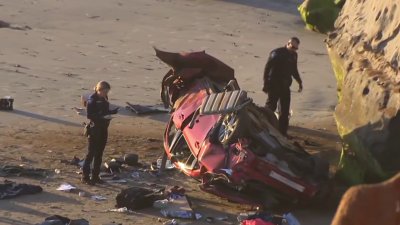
98 113
280 67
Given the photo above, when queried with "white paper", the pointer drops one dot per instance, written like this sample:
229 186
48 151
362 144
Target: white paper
66 187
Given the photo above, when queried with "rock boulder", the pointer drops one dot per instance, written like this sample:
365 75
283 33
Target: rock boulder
365 52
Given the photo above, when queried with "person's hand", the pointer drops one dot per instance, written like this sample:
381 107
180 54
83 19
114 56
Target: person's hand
300 87
114 111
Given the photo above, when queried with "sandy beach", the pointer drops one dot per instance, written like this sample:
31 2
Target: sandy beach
56 50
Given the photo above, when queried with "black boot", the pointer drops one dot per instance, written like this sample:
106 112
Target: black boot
97 180
86 180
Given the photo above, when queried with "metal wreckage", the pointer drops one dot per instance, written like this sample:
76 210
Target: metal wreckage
218 136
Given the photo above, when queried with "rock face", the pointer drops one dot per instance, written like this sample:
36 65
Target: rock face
365 52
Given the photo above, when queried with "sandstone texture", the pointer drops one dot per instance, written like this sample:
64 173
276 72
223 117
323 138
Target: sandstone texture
365 53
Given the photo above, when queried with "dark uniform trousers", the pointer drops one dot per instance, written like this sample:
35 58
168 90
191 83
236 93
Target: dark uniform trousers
281 95
97 143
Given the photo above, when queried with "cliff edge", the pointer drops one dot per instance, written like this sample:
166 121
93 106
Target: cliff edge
365 53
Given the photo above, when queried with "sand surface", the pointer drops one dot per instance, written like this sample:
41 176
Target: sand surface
55 50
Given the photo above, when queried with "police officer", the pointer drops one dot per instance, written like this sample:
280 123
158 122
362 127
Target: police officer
279 70
98 113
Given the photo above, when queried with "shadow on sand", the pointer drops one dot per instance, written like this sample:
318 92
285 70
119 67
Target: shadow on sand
285 6
44 118
123 111
4 220
316 133
156 116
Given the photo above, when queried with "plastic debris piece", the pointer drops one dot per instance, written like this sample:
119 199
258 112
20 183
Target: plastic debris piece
66 187
98 198
291 219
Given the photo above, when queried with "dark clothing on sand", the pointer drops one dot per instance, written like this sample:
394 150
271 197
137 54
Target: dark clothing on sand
12 190
279 70
97 108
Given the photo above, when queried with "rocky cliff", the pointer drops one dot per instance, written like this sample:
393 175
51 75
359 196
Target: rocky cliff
365 52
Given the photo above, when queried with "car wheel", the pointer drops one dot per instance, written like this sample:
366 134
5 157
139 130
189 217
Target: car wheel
231 127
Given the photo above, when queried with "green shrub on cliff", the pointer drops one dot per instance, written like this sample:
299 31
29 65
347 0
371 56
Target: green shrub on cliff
320 15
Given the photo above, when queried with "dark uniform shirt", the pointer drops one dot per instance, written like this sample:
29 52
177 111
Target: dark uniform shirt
97 108
280 67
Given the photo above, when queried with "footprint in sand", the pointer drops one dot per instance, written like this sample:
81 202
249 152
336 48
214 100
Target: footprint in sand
38 90
72 75
19 84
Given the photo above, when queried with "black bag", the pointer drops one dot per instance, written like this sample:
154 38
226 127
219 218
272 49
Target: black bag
135 198
6 103
131 159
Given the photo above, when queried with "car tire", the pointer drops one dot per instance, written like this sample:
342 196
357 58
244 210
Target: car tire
232 126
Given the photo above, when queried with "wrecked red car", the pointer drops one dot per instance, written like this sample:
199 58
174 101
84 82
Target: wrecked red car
218 136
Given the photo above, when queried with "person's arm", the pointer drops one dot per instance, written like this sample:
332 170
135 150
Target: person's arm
296 75
270 63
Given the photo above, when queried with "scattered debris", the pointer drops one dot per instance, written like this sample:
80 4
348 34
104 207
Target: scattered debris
135 175
98 198
143 110
209 219
21 171
222 218
74 161
131 159
257 221
171 222
66 187
180 208
6 103
121 210
60 220
135 198
174 192
161 204
11 190
113 166
266 218
291 219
